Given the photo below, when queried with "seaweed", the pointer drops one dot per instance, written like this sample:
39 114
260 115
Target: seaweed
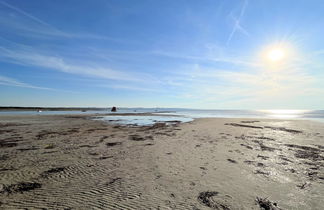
242 125
231 160
20 187
111 144
266 204
284 129
52 171
206 198
247 146
9 142
136 138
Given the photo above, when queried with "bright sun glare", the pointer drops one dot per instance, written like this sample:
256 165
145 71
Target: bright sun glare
276 54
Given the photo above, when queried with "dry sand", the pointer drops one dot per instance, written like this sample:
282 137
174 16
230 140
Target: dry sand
72 162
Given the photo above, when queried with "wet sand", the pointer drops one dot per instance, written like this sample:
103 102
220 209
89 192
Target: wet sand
72 162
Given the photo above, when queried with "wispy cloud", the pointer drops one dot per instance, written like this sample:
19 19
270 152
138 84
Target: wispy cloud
7 81
24 13
131 88
213 87
35 27
237 23
30 57
216 59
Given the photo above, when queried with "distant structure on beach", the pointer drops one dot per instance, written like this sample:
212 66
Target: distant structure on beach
113 109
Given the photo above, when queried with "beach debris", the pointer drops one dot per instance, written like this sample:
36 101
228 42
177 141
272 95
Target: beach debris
213 200
250 162
263 147
301 147
231 160
266 148
27 148
20 187
260 165
263 157
113 109
266 204
284 129
257 164
265 173
265 138
8 142
282 157
52 171
104 157
49 146
93 153
306 152
205 198
136 137
242 125
111 144
113 180
250 121
247 146
304 185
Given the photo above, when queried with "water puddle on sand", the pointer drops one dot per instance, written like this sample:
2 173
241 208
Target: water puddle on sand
143 120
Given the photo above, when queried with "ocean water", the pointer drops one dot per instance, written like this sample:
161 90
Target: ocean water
144 120
185 115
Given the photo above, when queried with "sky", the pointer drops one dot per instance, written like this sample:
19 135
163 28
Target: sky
206 54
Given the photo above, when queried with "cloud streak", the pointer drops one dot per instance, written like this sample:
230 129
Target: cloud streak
29 57
216 59
237 23
7 81
39 28
211 87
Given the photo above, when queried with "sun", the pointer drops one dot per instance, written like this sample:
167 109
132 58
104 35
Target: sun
275 54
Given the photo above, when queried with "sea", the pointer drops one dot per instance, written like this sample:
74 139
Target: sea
170 115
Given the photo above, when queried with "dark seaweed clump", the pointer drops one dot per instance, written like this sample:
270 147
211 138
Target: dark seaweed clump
284 129
265 204
21 187
205 198
111 144
242 125
136 138
52 171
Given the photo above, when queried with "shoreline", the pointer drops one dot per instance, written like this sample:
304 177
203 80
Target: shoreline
70 161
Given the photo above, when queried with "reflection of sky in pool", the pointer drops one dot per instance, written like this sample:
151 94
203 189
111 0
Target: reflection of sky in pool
143 120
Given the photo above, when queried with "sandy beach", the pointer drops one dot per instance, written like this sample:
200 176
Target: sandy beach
74 162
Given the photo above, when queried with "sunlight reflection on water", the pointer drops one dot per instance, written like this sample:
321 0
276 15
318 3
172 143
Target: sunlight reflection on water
144 120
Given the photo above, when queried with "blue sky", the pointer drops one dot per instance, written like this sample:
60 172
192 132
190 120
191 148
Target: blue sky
168 53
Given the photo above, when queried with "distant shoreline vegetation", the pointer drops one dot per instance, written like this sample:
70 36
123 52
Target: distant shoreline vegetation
17 108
